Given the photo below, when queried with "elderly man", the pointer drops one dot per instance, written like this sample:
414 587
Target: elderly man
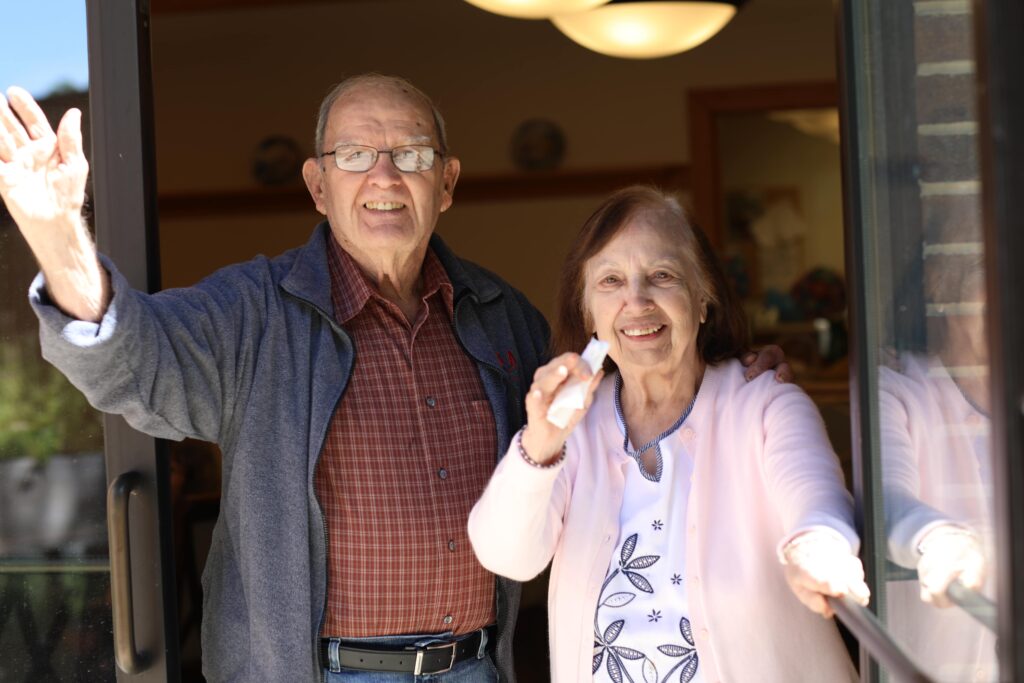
360 388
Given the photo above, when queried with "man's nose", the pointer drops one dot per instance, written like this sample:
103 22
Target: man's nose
384 173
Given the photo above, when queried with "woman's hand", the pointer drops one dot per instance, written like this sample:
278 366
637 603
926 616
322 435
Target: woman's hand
819 564
541 439
949 553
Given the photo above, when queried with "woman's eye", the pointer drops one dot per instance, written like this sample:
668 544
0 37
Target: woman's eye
609 280
662 275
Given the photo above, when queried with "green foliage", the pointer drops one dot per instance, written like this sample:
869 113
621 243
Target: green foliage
41 413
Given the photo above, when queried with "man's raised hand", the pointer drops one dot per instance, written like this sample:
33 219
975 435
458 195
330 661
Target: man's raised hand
42 182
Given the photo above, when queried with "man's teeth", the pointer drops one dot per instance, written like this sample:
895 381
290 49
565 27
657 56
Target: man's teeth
384 206
642 331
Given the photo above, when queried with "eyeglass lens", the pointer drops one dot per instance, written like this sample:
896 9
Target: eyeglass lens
407 158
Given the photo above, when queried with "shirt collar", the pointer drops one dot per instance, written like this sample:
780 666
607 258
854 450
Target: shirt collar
351 289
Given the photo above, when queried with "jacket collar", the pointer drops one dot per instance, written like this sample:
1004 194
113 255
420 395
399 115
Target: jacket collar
463 279
310 279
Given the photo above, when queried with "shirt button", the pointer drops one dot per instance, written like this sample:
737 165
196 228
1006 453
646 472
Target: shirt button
704 632
448 619
443 473
451 546
696 579
431 401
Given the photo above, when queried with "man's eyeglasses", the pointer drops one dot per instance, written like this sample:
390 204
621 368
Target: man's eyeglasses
406 158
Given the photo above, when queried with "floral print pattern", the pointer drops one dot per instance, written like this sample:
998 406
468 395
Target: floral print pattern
617 659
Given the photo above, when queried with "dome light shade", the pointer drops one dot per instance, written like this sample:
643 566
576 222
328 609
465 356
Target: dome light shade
647 28
535 9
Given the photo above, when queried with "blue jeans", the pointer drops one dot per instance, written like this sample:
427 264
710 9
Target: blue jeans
467 671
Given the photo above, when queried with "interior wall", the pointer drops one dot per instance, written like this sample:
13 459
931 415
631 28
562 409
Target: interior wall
224 80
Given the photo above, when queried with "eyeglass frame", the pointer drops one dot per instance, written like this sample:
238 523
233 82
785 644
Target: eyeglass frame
378 152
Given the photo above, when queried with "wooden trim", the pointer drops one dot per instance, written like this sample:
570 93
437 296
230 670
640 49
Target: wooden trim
703 108
512 187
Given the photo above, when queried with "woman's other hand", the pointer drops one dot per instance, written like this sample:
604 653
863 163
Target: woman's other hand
819 564
949 553
541 439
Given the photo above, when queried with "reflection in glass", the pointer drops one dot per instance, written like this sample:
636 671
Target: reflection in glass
55 620
933 365
938 477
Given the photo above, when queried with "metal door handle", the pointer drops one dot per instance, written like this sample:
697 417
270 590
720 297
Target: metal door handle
128 659
975 604
876 640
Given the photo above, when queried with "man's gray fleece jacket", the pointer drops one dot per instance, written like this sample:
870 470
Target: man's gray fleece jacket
252 359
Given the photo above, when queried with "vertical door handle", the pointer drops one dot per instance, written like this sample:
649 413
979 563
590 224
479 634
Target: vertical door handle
128 659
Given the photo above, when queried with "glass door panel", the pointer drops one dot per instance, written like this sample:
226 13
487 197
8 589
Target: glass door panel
927 484
55 618
79 601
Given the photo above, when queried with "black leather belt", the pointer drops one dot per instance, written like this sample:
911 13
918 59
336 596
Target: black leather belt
431 659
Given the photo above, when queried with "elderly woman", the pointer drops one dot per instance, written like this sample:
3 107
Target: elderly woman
693 517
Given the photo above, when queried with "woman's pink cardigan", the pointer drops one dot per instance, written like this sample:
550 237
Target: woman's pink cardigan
764 471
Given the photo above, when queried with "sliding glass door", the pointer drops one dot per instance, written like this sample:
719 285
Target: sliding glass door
80 601
929 269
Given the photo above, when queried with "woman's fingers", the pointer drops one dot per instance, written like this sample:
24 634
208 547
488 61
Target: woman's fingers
812 599
949 553
550 377
820 563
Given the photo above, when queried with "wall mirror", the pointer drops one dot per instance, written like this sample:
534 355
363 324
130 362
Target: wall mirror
766 183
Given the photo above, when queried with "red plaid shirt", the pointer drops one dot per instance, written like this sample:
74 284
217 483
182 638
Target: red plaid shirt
409 450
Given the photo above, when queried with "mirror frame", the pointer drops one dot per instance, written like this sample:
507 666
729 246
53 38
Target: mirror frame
704 107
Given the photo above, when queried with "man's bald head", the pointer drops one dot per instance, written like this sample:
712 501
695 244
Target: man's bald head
371 82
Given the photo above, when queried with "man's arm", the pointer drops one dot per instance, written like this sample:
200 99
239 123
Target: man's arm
42 182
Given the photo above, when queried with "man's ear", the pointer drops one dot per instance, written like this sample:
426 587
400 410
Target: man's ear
452 166
314 178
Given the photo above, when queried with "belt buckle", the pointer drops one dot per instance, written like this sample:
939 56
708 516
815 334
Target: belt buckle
419 659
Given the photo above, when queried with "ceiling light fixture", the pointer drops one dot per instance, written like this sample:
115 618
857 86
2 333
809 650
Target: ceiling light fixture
644 29
535 9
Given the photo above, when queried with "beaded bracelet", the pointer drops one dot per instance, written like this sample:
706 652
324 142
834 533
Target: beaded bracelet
522 451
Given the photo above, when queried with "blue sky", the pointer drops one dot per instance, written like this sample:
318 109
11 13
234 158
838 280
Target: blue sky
43 43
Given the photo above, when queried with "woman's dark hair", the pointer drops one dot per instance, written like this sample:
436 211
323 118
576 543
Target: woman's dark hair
723 334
